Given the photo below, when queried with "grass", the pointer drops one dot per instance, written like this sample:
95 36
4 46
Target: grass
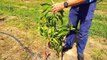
99 54
22 10
30 12
99 26
102 7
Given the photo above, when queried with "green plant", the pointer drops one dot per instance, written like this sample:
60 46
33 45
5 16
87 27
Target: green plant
52 27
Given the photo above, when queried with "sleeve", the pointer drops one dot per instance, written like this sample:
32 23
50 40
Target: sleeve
89 1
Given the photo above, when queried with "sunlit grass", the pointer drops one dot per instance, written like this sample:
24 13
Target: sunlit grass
31 11
27 12
99 26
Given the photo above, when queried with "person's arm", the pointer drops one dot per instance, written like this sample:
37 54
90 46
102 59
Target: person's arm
74 2
59 6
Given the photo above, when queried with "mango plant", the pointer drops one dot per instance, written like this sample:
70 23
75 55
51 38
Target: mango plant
52 27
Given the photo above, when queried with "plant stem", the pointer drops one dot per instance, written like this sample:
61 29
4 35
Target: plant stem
52 1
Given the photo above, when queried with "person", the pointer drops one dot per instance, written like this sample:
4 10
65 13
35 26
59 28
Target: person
81 11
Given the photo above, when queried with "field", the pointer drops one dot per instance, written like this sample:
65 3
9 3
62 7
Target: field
21 19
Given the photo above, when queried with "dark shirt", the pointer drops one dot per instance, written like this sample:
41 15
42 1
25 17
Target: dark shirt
89 1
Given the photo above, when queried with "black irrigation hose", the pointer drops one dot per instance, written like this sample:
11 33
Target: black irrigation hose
19 42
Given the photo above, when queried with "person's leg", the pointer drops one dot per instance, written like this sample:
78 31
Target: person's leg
85 14
73 20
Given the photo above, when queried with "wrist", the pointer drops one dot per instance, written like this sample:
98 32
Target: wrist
65 4
62 4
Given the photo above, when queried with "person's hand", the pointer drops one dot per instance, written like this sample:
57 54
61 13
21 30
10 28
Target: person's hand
57 7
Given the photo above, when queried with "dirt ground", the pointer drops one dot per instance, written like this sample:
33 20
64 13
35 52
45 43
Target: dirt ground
11 50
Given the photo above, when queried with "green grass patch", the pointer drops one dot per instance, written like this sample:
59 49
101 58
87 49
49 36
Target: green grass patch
22 10
99 26
102 7
99 54
29 11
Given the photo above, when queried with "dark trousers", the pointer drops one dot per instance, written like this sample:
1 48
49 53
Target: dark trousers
84 14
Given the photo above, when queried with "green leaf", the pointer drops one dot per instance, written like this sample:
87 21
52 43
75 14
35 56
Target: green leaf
44 15
60 18
63 33
45 10
41 30
45 4
55 40
62 13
